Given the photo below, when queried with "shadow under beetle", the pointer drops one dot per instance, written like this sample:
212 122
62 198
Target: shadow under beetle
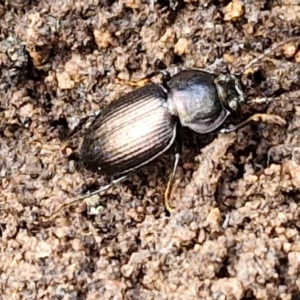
141 125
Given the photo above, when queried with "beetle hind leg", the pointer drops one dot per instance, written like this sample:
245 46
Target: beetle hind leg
82 197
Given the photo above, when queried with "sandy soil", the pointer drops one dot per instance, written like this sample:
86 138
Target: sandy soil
235 233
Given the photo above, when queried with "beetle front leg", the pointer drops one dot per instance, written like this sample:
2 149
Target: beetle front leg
264 118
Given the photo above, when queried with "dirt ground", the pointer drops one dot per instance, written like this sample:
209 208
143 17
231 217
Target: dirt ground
235 231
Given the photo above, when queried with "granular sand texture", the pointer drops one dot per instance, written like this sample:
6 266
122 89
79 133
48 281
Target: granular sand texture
235 231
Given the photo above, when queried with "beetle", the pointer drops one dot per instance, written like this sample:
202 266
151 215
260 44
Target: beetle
143 124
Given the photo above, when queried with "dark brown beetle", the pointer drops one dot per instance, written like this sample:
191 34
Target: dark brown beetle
141 125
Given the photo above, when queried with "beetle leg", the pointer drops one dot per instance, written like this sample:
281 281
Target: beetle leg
145 80
170 184
168 191
82 197
265 118
77 129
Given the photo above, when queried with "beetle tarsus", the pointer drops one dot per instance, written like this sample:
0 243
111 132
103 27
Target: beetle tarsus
264 118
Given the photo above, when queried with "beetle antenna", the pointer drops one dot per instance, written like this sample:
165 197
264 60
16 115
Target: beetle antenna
269 51
257 59
291 95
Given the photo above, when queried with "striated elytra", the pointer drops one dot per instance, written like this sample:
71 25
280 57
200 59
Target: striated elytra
130 132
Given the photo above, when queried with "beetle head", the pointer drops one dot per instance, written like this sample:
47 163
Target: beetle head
230 91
